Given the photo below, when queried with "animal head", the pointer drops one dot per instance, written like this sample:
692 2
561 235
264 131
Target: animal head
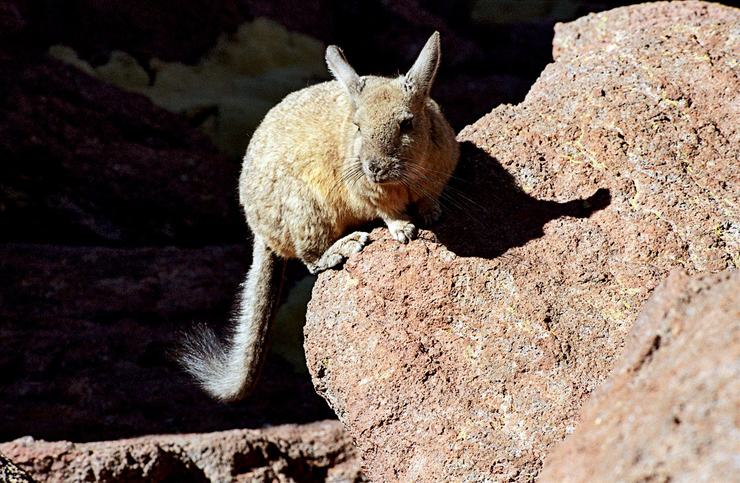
391 126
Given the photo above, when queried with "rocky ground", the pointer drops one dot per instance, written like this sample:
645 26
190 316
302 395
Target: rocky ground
469 356
312 452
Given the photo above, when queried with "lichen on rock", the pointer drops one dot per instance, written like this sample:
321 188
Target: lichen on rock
669 411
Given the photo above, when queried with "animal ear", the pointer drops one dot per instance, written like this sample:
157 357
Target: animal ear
343 72
420 77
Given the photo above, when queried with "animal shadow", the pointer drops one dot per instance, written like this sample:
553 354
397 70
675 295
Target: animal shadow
486 213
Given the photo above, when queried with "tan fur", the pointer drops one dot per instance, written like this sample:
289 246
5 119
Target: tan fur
333 156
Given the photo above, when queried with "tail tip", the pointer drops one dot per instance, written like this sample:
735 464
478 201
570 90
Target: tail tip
205 359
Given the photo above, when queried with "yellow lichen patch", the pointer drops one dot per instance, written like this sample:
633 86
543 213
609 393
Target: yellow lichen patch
351 282
124 71
613 314
229 91
387 374
577 153
68 55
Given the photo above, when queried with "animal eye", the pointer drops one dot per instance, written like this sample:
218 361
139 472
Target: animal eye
406 125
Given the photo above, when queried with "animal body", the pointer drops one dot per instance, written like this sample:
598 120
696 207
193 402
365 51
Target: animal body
328 158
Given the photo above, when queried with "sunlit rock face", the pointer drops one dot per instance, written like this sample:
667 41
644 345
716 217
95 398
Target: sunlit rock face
669 410
467 356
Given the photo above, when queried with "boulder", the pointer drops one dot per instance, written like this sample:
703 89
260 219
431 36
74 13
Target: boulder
84 162
611 31
318 451
669 412
93 331
467 355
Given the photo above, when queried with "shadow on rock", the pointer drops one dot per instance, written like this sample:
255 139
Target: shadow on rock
486 213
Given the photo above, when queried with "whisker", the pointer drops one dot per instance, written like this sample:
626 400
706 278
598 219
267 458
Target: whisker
454 191
450 197
351 174
451 189
444 199
424 170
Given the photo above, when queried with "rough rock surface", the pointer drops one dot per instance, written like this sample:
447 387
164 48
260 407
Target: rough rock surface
84 162
669 412
596 33
312 452
470 358
92 331
10 473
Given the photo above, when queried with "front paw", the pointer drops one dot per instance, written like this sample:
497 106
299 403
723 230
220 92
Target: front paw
403 231
355 242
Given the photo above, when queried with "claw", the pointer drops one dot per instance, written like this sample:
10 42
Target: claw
340 251
404 234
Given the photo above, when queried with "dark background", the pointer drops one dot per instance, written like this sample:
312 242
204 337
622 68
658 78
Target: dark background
119 222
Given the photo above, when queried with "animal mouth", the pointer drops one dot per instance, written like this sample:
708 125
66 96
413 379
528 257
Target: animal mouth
378 178
377 175
385 179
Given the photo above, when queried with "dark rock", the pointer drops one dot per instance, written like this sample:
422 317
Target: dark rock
84 162
465 97
93 332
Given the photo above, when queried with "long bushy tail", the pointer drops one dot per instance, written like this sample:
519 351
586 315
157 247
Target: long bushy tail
228 371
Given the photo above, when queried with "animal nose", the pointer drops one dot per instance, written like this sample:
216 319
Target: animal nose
374 168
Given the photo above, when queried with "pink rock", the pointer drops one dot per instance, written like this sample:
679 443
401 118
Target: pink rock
669 412
469 358
313 452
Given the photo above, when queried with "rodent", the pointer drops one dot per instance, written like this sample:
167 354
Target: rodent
328 158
